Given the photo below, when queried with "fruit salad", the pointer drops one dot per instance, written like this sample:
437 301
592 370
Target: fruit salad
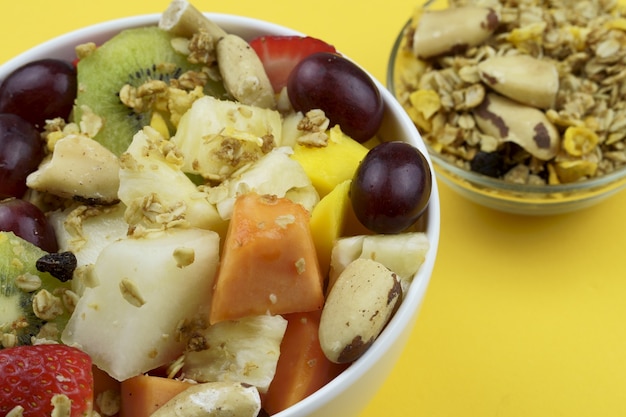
189 214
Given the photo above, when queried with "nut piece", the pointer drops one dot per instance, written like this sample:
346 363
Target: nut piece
522 78
181 18
453 30
243 73
511 121
79 168
213 399
358 307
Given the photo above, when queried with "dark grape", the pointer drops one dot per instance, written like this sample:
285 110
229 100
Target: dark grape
21 151
40 90
28 222
345 93
391 187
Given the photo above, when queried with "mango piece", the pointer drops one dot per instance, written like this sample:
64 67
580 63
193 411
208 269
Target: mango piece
327 220
330 165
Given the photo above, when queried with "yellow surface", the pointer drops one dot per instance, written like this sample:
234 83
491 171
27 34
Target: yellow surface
524 317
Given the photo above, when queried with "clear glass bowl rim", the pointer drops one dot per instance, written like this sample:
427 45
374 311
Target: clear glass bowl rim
610 180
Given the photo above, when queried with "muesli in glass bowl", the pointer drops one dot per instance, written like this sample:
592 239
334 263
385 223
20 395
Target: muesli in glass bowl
521 104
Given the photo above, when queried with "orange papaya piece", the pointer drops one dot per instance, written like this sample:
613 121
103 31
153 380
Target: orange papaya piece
142 395
269 263
302 367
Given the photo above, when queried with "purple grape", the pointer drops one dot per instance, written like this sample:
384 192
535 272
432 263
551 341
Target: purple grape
391 187
28 222
21 151
39 90
345 93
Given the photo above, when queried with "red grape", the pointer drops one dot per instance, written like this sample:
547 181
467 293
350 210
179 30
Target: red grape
21 151
40 90
28 222
345 93
391 187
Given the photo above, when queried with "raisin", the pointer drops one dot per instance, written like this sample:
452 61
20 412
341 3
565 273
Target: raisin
488 163
60 265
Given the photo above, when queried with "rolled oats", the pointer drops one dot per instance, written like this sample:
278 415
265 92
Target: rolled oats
585 41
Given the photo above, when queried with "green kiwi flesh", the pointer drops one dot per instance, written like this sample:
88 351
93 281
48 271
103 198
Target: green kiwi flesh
17 259
133 57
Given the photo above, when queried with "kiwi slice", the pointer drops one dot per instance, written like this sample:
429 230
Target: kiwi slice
133 56
20 284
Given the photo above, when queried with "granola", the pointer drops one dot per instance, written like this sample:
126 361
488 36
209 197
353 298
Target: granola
585 44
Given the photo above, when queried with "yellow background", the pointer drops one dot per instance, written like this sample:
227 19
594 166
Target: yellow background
524 316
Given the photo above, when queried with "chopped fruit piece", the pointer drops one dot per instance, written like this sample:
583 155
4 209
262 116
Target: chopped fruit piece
269 262
256 339
280 54
44 377
142 395
302 367
327 222
330 165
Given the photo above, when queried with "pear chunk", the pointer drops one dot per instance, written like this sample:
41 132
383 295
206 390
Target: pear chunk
128 323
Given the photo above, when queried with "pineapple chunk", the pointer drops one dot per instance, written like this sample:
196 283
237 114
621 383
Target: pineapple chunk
217 137
245 351
401 253
276 173
147 287
156 191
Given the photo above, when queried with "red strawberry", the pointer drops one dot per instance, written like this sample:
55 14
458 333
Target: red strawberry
280 54
31 375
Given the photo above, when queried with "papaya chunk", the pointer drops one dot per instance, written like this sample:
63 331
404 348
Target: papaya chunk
142 395
104 387
269 263
302 367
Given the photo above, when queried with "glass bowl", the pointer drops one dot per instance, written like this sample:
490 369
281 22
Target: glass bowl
348 393
495 193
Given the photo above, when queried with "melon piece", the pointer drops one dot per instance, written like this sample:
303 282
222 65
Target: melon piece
269 263
145 287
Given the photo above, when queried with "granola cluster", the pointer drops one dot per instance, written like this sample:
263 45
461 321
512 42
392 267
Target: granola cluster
460 100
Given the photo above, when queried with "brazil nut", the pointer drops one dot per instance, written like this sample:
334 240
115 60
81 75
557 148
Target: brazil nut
511 121
453 30
363 299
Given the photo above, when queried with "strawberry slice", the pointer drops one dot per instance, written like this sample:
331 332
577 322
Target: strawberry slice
32 375
280 54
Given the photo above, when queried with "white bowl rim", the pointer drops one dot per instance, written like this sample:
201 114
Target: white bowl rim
407 313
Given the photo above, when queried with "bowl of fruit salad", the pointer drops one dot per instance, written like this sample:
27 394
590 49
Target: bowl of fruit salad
206 213
517 103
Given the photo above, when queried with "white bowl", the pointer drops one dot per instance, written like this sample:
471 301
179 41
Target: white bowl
349 393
